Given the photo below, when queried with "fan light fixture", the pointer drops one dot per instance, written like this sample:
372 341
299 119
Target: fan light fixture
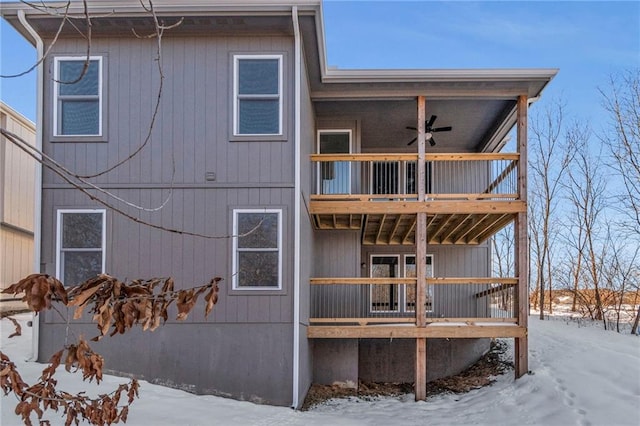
429 130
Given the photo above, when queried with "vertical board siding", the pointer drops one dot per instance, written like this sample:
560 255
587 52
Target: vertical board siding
138 251
17 198
192 131
193 125
17 172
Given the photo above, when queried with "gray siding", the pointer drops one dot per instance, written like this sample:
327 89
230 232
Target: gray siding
307 251
245 330
194 122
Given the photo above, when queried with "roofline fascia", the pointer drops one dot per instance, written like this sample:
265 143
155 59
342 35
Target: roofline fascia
18 116
133 8
438 75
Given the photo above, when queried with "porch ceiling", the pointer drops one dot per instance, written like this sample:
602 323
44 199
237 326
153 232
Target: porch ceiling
383 123
399 229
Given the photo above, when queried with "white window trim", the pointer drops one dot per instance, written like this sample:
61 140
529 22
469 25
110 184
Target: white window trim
236 104
59 214
56 86
322 131
234 267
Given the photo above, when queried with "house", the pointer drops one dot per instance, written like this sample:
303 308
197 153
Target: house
17 198
335 190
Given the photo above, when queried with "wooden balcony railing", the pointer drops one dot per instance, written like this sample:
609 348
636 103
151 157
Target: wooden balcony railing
364 177
370 301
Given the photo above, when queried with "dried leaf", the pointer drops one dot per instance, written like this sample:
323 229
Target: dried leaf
211 297
18 330
81 297
185 302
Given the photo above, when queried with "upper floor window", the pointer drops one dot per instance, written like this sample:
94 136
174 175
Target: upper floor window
257 95
257 249
81 245
77 108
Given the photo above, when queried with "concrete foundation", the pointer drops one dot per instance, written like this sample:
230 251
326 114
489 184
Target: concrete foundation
391 360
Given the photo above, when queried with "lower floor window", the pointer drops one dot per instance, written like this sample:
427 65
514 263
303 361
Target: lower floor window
257 249
81 243
396 297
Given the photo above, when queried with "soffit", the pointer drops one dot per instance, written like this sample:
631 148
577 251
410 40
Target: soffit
383 123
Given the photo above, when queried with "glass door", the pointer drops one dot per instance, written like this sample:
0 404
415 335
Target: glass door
384 297
334 177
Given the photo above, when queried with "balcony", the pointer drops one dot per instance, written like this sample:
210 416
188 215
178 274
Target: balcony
468 197
385 308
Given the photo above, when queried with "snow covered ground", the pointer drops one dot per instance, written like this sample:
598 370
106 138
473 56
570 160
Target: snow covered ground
582 375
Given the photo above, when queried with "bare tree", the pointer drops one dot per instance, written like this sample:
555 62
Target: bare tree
549 160
622 102
587 192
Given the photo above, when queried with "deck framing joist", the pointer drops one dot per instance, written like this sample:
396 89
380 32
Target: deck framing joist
435 331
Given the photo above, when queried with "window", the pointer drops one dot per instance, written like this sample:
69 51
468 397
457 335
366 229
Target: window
78 106
334 176
384 297
257 95
257 249
81 245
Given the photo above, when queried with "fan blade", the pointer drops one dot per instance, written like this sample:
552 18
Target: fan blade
431 121
442 129
411 128
412 141
432 141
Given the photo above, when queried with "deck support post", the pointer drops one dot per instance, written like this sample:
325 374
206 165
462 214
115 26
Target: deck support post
521 349
421 256
421 367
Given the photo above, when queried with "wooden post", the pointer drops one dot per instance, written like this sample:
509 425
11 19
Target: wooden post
421 256
521 347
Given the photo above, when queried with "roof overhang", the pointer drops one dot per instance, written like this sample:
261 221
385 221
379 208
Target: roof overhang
479 103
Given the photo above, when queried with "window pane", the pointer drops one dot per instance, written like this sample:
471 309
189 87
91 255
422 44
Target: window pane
262 229
82 230
258 269
259 117
80 266
258 76
71 70
80 117
334 143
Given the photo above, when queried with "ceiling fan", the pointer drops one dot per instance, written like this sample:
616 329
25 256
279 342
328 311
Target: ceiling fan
429 130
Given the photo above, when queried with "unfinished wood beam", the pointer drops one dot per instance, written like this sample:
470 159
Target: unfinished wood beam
490 222
380 228
394 229
413 207
444 221
460 219
405 238
434 331
521 346
421 370
496 226
421 256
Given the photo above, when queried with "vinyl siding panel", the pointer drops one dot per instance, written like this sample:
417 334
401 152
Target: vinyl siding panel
17 198
246 343
193 124
17 170
307 235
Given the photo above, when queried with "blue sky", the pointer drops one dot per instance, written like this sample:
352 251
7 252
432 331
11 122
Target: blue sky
586 40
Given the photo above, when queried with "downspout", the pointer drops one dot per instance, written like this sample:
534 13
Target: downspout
296 209
37 226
